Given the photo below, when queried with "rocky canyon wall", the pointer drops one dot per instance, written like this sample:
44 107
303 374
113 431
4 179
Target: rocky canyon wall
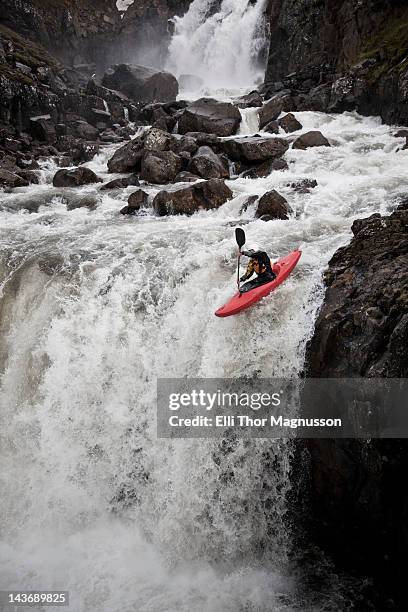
354 50
358 501
79 32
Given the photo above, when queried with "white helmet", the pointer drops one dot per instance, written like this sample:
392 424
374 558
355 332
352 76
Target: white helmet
252 249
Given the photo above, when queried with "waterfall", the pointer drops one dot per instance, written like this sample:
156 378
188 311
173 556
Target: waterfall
94 307
220 42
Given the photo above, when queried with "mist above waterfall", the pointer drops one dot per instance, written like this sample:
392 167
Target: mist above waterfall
220 42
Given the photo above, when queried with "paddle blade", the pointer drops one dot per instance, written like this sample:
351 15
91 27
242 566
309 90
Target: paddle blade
240 237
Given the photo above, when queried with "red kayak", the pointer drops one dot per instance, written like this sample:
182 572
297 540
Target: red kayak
241 301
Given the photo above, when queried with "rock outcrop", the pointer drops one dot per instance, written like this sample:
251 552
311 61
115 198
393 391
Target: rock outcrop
208 165
160 167
273 206
310 139
75 177
204 195
254 149
358 508
340 56
210 116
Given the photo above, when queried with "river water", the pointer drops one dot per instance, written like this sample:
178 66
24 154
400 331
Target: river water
94 307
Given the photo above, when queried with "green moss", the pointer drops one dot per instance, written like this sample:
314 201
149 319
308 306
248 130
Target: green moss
27 52
15 75
389 47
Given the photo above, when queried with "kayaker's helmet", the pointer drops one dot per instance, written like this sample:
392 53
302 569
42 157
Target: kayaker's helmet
252 249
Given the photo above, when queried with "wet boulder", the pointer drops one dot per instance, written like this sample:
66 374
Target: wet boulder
141 84
157 140
83 129
254 149
29 175
311 139
271 110
160 166
185 143
136 201
273 206
204 195
90 202
290 124
121 183
42 128
76 149
128 158
75 177
251 100
204 139
265 169
208 164
157 110
11 180
272 127
210 116
304 185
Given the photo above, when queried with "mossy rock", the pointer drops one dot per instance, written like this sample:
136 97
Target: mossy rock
389 47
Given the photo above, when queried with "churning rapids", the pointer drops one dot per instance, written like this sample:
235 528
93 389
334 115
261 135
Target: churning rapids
94 307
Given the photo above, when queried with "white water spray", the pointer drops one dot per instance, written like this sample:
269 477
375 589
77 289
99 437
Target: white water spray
219 42
93 308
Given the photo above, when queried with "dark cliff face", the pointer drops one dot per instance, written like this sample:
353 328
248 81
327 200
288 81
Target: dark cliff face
358 47
362 329
336 32
81 32
358 501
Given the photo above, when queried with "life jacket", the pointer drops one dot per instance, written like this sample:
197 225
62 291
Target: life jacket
262 263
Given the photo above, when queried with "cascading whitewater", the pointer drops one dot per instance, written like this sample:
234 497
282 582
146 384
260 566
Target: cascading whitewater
92 308
219 42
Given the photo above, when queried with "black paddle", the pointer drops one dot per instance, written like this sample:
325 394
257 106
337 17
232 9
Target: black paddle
240 238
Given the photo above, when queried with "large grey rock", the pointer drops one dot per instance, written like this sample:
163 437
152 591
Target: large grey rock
157 140
186 144
128 158
311 139
160 166
83 129
10 179
251 100
42 128
274 206
137 200
208 164
271 110
121 183
210 116
265 169
254 149
290 124
141 84
90 202
204 195
75 177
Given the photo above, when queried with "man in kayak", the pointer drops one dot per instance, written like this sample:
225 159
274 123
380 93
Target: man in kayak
260 264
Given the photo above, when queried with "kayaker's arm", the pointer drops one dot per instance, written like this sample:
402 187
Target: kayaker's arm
249 271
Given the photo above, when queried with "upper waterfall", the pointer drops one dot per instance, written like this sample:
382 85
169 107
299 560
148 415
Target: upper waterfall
220 42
